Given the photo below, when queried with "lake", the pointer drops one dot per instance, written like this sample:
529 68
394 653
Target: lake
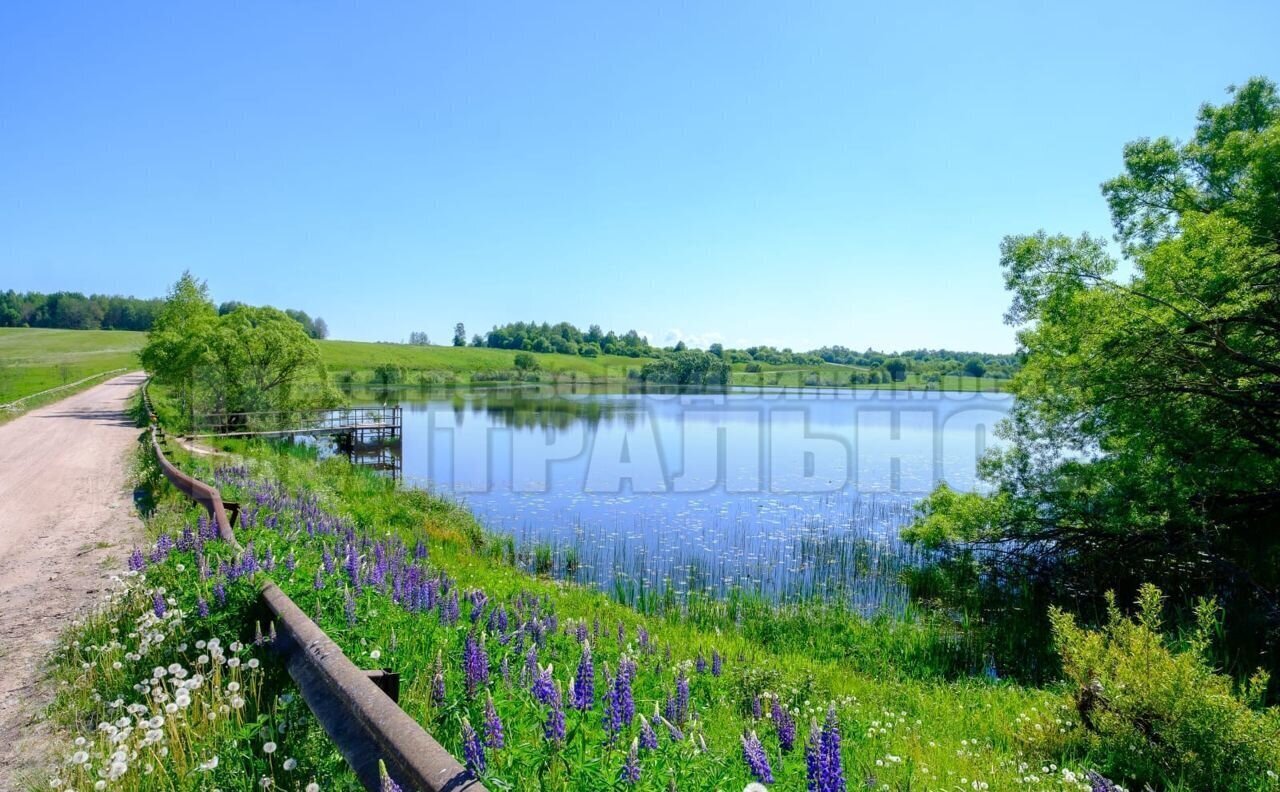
783 493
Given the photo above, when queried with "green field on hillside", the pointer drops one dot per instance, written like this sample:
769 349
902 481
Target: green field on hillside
361 358
35 360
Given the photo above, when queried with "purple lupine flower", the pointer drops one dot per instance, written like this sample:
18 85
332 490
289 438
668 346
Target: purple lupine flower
137 562
158 605
385 782
625 698
757 761
756 711
475 665
583 694
327 560
580 632
449 609
350 609
648 738
612 716
1099 783
530 670
420 550
544 688
493 735
701 664
290 563
824 764
673 731
220 593
682 698
352 565
202 608
785 725
553 729
717 663
643 637
318 583
505 670
631 768
472 749
622 634
437 681
268 560
478 600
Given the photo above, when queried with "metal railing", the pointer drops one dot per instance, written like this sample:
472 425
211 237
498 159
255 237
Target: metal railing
362 720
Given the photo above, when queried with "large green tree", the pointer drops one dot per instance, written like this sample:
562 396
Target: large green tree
1145 438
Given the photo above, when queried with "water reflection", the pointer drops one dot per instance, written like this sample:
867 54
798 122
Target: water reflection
782 493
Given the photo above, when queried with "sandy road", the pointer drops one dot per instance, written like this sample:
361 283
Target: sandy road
67 523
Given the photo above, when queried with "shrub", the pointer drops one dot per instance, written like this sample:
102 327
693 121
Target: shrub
388 374
526 362
1156 711
753 368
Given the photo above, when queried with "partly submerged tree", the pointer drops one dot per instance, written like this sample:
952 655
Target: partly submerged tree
1145 437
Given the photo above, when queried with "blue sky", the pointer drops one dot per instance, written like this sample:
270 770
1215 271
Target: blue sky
789 173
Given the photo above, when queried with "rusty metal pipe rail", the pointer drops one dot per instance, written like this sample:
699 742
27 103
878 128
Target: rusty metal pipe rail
358 716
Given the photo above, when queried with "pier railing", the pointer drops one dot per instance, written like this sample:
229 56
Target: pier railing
283 422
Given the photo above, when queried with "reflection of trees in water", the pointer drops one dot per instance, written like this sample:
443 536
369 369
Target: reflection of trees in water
531 407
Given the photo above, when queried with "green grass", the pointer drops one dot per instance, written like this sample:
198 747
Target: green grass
33 360
902 725
837 376
361 357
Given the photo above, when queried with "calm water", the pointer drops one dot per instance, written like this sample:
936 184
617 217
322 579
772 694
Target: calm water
783 493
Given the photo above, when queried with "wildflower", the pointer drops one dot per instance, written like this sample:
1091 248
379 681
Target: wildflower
290 763
544 689
682 698
582 694
268 747
1098 783
136 561
785 726
386 783
553 729
209 764
822 756
701 664
631 768
312 787
717 663
158 605
220 593
472 749
350 608
753 754
437 681
475 665
493 736
648 739
202 608
318 583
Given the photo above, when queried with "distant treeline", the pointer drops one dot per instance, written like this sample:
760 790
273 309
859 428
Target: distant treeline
75 311
567 339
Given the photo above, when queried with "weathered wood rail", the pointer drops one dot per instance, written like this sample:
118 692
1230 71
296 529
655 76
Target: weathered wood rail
364 723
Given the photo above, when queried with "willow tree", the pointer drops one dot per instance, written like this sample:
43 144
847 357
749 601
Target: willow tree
245 360
1145 438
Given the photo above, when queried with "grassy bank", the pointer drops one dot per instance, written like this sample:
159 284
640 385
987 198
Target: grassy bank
410 582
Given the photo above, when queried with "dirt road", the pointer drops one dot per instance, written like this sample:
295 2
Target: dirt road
67 523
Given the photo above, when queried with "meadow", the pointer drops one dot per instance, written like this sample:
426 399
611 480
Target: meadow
34 360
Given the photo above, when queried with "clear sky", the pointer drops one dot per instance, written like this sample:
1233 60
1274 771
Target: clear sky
790 173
